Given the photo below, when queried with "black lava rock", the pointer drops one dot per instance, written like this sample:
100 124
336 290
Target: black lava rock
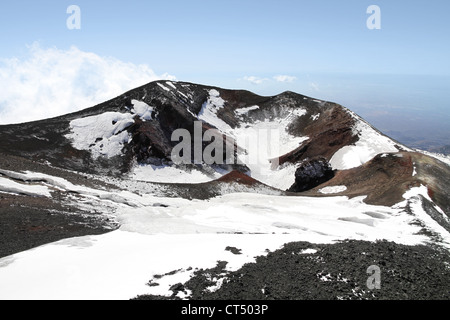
311 173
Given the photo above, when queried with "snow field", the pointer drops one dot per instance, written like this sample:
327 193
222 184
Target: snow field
263 142
167 174
118 265
155 240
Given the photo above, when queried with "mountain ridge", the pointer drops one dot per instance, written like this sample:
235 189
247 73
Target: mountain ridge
324 129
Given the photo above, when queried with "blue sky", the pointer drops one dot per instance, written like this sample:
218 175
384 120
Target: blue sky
199 38
322 48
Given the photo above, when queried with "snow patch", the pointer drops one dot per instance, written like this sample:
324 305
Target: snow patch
217 286
103 135
209 110
9 186
118 198
414 170
106 134
143 110
308 251
415 204
246 110
167 174
333 189
184 96
370 144
163 86
422 190
299 112
325 277
171 85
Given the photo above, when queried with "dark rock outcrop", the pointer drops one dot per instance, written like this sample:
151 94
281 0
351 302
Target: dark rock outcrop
336 271
311 173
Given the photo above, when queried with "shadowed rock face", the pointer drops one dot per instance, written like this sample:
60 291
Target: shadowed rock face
310 174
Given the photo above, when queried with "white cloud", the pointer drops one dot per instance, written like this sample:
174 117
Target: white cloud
285 78
255 80
52 82
278 78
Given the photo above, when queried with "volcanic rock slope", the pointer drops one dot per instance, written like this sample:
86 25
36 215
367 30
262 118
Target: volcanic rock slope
110 169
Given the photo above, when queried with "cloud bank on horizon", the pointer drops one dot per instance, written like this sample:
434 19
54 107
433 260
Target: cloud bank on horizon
282 78
50 82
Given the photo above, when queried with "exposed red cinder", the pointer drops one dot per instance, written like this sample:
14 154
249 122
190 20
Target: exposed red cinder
326 136
237 176
38 229
430 193
407 163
